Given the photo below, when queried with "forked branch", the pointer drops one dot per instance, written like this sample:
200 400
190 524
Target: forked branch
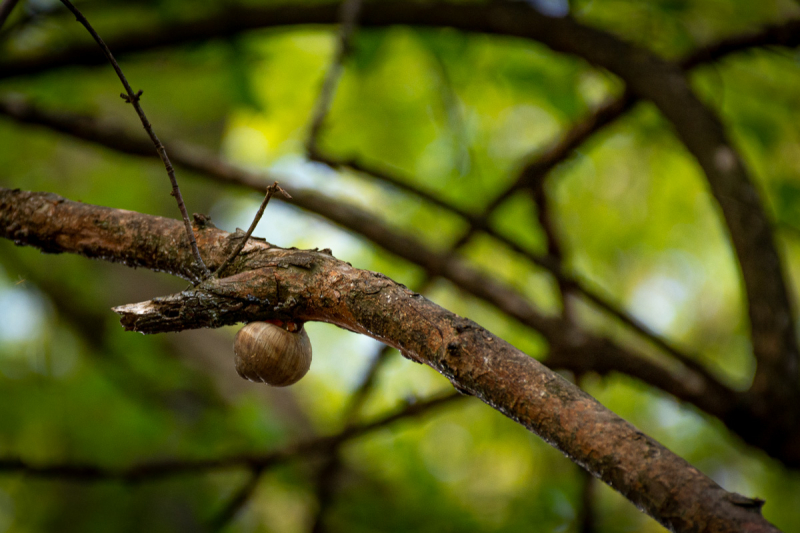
308 285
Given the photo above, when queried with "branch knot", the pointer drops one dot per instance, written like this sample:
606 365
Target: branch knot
129 99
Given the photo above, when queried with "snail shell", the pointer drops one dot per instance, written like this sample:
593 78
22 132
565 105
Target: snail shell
270 354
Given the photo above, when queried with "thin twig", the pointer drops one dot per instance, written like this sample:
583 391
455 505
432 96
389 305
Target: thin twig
236 502
366 386
332 464
455 115
162 469
325 488
349 14
586 520
554 248
272 189
5 10
133 99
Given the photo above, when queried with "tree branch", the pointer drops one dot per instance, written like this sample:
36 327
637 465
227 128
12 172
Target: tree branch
133 98
769 309
155 470
349 14
771 317
308 285
235 19
693 384
549 263
5 10
773 339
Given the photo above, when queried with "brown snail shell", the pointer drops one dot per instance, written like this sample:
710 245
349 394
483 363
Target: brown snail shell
271 354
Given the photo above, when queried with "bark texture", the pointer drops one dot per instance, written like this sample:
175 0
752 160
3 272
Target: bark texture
271 282
765 416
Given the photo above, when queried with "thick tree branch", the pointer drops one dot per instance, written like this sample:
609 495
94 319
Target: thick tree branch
784 34
702 387
276 283
235 19
771 317
661 82
550 262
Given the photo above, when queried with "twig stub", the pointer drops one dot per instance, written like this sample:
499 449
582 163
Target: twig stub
272 189
130 99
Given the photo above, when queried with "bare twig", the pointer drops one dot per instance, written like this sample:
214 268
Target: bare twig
554 249
586 519
5 10
348 14
237 502
272 189
156 470
366 385
133 99
325 488
332 464
453 112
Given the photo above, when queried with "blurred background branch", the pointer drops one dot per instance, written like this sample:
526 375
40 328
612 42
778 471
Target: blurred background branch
577 227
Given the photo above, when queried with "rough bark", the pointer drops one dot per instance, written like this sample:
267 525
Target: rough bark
689 382
570 348
272 282
662 82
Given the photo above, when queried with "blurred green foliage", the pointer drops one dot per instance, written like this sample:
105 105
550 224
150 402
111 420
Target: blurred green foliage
454 114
